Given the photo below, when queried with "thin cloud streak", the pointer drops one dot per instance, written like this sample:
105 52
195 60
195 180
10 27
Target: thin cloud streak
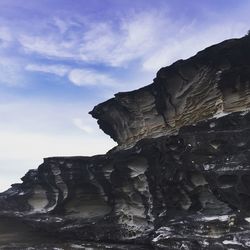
77 76
186 45
84 77
81 124
59 70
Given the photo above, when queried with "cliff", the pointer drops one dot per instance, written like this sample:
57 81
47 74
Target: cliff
180 176
211 83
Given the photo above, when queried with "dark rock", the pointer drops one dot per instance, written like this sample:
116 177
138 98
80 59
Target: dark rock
180 177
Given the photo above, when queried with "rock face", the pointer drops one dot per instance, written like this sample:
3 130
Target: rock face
214 81
180 176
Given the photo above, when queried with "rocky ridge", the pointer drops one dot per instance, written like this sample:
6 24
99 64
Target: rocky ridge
180 175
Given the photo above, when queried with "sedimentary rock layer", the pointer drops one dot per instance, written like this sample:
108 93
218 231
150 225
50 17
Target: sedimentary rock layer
89 198
190 189
213 82
182 179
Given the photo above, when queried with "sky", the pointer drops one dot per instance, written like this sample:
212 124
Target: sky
60 58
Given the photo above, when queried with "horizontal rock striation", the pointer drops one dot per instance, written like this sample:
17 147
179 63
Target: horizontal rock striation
213 82
190 189
180 177
95 198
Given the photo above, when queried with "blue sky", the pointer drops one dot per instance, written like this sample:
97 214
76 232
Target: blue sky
60 58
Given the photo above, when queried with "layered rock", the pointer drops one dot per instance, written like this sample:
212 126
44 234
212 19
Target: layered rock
95 198
213 82
180 177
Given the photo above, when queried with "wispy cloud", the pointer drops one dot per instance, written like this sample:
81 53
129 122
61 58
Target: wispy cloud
117 44
133 42
81 124
43 115
149 37
189 42
49 46
84 77
113 43
77 76
59 70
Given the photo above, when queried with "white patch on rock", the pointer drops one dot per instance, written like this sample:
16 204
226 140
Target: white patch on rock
38 201
244 112
220 114
247 219
76 246
212 125
232 242
208 166
219 217
164 233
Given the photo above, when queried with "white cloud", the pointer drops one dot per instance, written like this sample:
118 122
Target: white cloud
83 77
79 123
50 46
189 42
116 45
62 25
149 37
60 70
38 115
78 76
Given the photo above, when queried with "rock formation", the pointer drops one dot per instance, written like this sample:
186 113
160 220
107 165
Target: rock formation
213 82
180 175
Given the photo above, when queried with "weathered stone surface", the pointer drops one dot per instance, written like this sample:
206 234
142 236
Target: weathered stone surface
182 179
213 82
89 198
190 189
15 234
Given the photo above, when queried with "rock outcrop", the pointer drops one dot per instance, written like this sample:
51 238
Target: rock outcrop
213 82
180 176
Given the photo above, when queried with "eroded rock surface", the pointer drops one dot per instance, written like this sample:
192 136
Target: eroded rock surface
180 177
213 82
92 198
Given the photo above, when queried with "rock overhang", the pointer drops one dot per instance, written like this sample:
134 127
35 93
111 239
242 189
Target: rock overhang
214 81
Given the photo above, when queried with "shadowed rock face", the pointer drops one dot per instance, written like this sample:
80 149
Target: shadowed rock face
182 179
91 198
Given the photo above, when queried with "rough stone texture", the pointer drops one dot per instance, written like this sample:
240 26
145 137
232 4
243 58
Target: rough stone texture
15 234
182 179
89 198
214 81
